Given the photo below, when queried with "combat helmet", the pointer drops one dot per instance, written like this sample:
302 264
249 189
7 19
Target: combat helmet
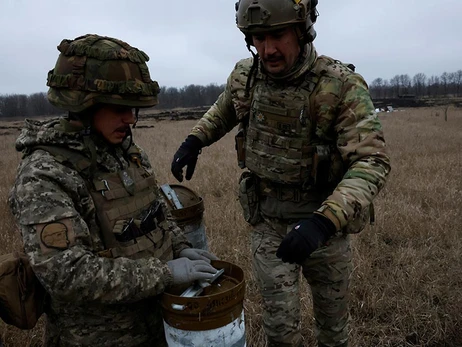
93 69
257 16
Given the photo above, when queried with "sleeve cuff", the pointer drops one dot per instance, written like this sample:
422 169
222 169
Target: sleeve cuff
180 247
200 136
167 276
326 211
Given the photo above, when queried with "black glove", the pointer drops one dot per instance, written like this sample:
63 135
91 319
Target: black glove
186 155
307 236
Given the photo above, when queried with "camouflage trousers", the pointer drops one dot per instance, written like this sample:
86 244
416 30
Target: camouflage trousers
137 324
327 271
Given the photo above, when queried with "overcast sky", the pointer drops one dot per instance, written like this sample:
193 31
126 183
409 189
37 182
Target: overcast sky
197 42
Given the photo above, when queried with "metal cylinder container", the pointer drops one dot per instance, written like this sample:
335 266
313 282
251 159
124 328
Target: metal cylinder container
187 211
214 318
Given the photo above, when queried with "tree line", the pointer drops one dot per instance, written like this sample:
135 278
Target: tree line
400 86
26 106
420 86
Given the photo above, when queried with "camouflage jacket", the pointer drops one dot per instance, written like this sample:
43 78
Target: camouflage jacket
343 113
93 300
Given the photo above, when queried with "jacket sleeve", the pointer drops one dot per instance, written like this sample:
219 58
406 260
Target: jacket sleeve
46 193
362 146
179 239
231 107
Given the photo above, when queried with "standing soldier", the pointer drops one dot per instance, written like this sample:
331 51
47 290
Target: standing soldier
316 156
87 203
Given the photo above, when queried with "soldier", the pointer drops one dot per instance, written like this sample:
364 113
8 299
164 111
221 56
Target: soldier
316 158
87 203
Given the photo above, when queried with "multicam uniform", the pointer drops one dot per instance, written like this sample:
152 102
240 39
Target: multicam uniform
312 143
102 282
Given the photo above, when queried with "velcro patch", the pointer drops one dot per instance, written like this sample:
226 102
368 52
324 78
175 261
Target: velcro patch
55 235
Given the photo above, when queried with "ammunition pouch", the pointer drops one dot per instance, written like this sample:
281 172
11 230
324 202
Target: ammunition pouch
248 197
293 193
321 166
146 222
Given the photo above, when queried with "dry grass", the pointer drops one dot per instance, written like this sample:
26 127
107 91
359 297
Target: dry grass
408 269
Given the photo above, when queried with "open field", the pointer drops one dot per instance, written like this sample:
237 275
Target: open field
407 280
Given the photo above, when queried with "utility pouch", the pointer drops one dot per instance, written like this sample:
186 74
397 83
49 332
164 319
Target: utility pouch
240 145
366 215
152 215
248 197
145 222
22 297
321 166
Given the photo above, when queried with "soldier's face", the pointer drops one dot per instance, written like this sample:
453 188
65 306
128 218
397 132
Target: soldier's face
278 50
113 122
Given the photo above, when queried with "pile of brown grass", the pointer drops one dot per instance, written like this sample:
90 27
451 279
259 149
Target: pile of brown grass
406 285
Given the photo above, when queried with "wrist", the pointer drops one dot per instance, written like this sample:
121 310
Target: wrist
180 248
325 225
194 142
168 276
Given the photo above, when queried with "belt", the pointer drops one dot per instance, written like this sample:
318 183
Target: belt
285 192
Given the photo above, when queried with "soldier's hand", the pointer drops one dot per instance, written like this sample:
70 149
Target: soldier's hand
185 271
198 254
304 238
186 155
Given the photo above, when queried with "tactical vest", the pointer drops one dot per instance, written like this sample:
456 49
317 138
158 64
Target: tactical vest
131 220
281 145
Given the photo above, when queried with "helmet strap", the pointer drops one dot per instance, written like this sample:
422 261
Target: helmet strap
253 71
90 145
137 112
129 136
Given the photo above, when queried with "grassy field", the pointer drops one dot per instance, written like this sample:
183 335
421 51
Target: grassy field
407 279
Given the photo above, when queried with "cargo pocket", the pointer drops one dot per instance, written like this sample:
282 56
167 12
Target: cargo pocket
248 197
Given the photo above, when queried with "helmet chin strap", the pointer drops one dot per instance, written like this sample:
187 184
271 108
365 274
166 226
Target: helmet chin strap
253 71
137 112
129 135
129 132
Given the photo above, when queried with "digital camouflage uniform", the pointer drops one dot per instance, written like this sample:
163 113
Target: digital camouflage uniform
324 105
77 200
94 300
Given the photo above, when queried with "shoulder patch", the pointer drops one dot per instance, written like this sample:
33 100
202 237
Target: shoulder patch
57 235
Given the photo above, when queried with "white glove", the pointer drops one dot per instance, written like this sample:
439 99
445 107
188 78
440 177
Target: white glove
198 254
186 271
